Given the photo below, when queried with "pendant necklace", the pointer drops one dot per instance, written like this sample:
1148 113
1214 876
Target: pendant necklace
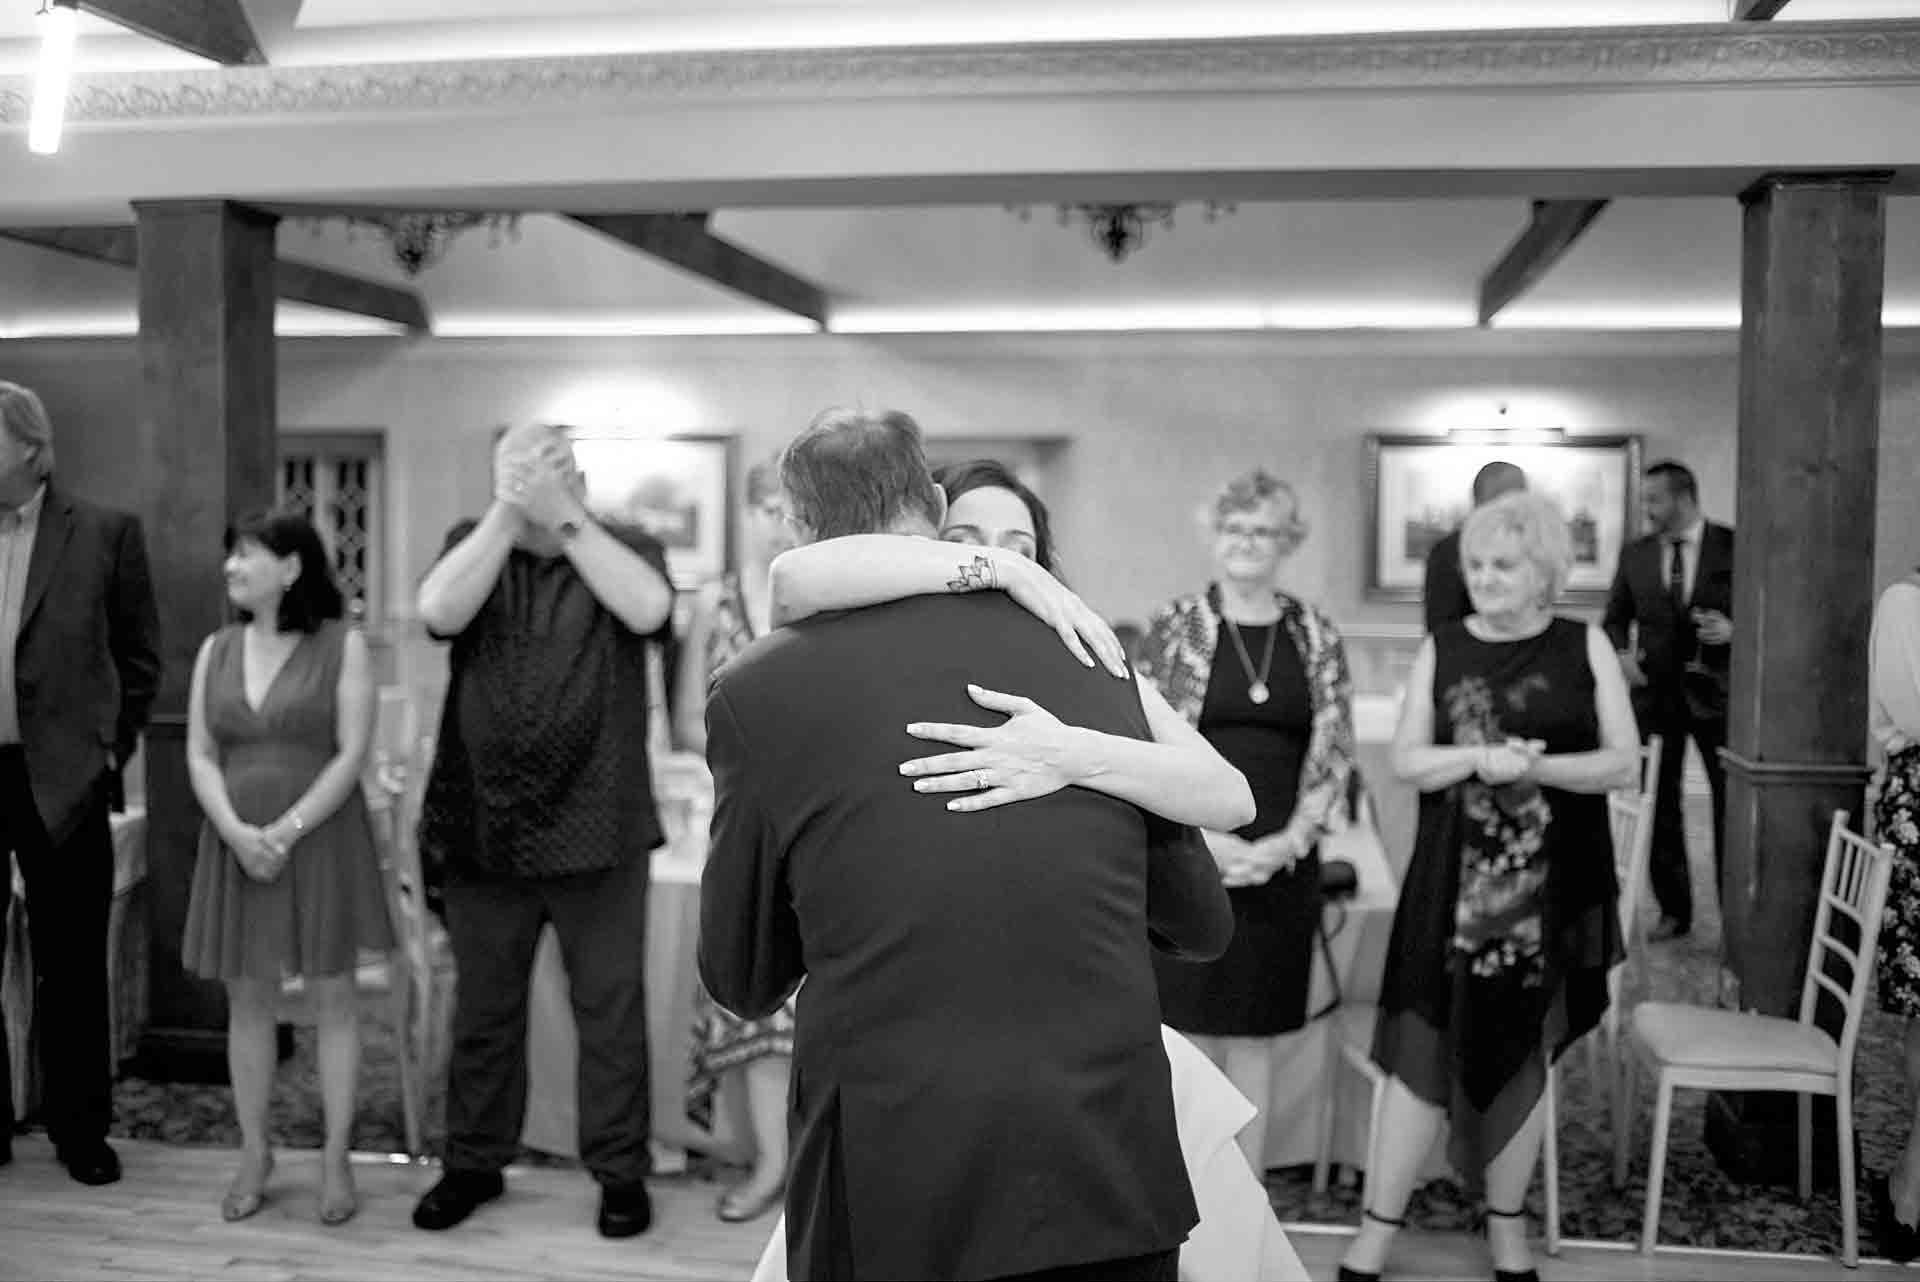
1256 685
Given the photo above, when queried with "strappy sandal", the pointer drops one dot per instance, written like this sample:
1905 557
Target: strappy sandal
1364 1275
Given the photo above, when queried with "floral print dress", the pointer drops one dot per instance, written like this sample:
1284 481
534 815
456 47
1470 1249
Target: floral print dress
1506 925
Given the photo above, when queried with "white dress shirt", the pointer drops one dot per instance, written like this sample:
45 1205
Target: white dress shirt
18 526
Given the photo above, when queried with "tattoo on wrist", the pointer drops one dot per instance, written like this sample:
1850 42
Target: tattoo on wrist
974 576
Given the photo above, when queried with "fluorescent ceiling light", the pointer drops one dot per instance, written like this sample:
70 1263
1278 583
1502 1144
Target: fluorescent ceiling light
667 325
1021 319
57 23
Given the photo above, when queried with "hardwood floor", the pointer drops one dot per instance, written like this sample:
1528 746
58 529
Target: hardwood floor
162 1222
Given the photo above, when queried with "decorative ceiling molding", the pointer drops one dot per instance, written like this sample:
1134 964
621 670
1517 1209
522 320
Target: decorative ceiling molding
1817 54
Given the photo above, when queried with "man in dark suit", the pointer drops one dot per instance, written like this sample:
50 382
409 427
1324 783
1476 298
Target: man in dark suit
1445 593
980 1089
1669 615
79 665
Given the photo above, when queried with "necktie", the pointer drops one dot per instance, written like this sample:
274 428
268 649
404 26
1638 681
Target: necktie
1677 572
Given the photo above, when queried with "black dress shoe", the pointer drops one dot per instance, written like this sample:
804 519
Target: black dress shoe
94 1163
1897 1242
625 1210
457 1195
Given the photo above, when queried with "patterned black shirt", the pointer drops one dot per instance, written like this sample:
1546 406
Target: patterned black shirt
542 767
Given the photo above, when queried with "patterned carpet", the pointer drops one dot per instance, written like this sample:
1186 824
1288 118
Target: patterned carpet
1702 1205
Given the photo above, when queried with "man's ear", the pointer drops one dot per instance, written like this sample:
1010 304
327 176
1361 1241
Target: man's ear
940 506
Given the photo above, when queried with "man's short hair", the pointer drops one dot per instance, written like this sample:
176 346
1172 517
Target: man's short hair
1678 477
858 472
1497 478
24 418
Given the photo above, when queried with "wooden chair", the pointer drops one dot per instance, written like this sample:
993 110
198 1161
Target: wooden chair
1704 1048
414 977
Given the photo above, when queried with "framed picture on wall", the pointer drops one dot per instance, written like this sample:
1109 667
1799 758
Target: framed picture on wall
1421 489
677 488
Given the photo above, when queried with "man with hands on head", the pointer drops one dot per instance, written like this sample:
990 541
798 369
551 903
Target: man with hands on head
539 809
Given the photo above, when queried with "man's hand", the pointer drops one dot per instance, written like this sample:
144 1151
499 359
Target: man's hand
540 484
1712 627
1631 670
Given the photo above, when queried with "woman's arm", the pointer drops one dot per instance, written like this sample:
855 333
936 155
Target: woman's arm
1416 758
1177 775
690 705
354 697
209 782
1616 762
867 569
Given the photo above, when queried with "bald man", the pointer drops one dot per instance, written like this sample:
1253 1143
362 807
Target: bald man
1445 593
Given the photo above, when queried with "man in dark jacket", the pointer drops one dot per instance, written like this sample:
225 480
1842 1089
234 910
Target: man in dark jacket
980 1089
1444 597
79 666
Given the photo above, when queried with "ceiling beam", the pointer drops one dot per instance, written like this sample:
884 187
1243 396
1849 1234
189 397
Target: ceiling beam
215 29
293 282
1756 10
684 241
1554 227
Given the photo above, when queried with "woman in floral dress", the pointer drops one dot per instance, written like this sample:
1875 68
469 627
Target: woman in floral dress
1893 715
1516 724
726 619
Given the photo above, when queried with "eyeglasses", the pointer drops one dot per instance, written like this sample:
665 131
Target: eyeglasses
1263 533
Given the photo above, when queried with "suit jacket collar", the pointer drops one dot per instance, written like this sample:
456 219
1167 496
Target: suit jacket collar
56 527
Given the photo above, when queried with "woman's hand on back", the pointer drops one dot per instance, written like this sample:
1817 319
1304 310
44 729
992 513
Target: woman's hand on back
1028 755
1060 608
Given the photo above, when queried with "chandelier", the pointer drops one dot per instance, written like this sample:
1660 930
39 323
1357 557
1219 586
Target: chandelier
420 240
1119 229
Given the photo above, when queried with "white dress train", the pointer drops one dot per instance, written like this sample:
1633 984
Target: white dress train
1238 1239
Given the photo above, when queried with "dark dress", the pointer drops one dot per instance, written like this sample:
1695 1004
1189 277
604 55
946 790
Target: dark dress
1259 987
329 902
1506 926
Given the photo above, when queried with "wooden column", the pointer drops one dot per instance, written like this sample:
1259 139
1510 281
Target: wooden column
1810 350
206 434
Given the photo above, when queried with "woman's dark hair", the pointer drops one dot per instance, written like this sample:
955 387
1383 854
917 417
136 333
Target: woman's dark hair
314 597
989 474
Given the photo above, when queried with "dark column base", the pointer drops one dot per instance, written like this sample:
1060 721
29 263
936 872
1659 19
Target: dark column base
1755 1139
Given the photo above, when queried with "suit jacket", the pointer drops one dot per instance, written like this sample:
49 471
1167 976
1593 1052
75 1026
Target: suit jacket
1666 636
1445 598
979 1085
87 662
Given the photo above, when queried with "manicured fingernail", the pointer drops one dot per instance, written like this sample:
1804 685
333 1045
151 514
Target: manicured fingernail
954 805
973 687
907 768
915 727
921 785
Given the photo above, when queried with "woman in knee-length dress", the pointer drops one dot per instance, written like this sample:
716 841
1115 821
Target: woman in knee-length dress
1516 724
287 880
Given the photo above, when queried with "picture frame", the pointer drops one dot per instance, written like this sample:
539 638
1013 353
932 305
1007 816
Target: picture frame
677 488
1420 489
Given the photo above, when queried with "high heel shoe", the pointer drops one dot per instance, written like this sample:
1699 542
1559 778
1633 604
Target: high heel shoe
239 1205
1512 1275
1365 1275
735 1207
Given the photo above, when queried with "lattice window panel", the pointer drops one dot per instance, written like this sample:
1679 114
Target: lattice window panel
337 484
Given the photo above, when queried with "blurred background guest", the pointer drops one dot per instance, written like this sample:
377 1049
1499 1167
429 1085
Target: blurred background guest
1515 726
726 618
1263 676
1444 597
80 634
1893 714
287 880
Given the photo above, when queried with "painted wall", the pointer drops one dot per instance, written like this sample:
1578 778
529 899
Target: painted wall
1150 425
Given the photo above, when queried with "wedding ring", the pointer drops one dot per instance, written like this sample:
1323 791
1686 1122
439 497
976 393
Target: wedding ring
980 780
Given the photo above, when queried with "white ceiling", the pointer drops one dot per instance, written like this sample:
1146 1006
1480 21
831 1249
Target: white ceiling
1405 264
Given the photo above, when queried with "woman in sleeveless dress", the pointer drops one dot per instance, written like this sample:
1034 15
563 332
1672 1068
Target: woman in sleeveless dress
287 881
725 621
1516 725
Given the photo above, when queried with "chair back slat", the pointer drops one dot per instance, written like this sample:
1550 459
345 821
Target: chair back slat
1630 823
1853 891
